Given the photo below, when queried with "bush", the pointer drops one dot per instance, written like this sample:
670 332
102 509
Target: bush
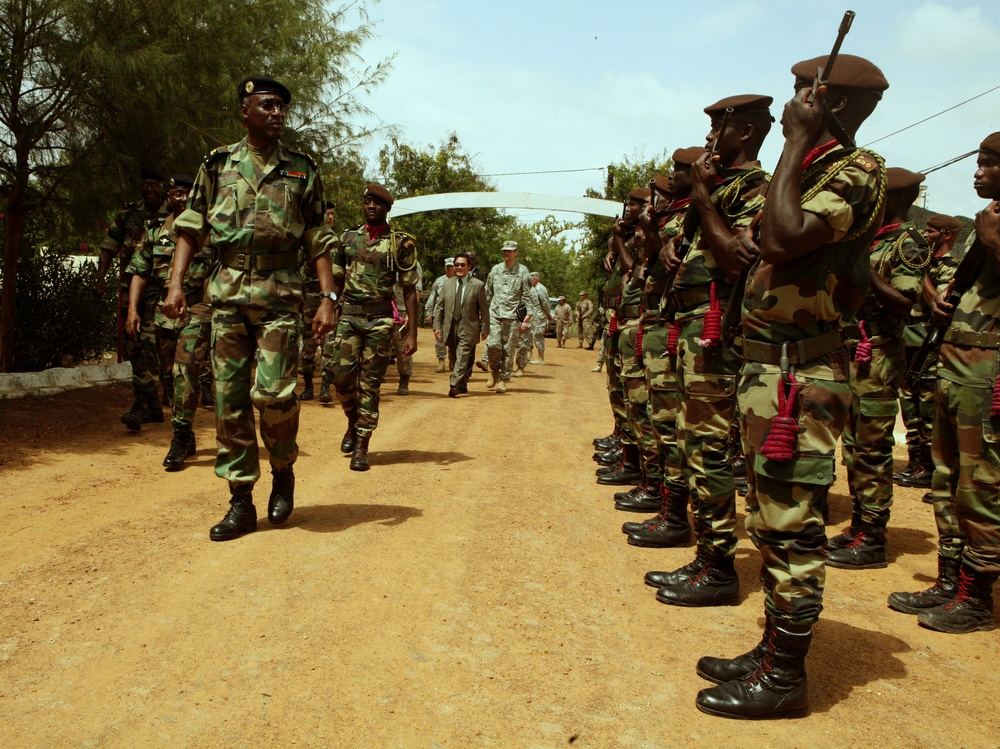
59 314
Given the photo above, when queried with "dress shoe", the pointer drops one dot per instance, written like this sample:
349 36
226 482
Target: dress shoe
452 392
181 446
282 500
715 584
359 460
241 518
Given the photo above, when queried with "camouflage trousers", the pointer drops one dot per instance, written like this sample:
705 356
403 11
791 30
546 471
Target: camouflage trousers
661 380
538 328
144 356
636 392
706 383
364 350
166 345
585 332
404 364
616 388
440 350
501 346
966 484
867 439
243 338
786 499
525 342
602 353
918 407
191 363
562 332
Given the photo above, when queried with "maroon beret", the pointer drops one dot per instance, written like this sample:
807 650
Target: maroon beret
640 193
380 193
742 104
900 179
662 185
991 143
687 156
944 223
849 71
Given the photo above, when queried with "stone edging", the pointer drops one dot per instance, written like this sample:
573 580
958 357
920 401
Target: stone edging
59 379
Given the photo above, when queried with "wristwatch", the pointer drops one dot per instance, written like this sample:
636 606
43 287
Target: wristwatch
331 295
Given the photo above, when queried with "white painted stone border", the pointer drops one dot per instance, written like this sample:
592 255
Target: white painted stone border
61 379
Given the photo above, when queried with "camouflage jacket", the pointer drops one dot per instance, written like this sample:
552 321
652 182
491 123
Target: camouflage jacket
940 270
126 233
656 276
370 268
234 208
584 310
813 294
542 300
434 295
506 289
563 313
154 257
899 256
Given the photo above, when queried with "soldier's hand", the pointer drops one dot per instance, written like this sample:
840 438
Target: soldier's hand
941 311
132 325
100 288
703 177
802 117
742 251
325 319
437 335
619 229
668 255
174 305
410 347
609 260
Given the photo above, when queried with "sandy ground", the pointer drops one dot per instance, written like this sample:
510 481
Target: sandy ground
472 589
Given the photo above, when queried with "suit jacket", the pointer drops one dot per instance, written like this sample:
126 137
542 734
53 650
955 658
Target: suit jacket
475 317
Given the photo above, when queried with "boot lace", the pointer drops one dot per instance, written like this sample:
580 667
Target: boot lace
965 581
859 539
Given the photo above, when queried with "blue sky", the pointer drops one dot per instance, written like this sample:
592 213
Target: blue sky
533 86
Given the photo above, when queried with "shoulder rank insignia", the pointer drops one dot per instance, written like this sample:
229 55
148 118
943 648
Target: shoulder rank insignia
296 175
865 161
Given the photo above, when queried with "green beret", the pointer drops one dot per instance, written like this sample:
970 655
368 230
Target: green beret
640 193
258 85
147 172
944 223
687 156
742 104
991 143
379 193
849 71
900 179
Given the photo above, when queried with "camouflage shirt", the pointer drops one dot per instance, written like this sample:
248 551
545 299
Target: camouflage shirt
815 293
940 270
126 233
153 259
233 207
433 296
584 309
656 273
370 268
899 256
506 289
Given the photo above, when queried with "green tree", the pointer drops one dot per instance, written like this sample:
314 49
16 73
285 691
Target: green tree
546 247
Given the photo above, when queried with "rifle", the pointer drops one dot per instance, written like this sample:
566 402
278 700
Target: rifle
732 319
965 276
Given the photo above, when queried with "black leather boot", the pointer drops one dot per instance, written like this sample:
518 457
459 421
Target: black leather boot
648 498
943 590
134 418
359 460
911 466
629 494
324 388
657 579
671 527
241 518
282 500
609 457
715 584
350 436
847 537
971 610
606 443
181 446
865 552
208 392
629 473
777 687
307 391
921 475
721 670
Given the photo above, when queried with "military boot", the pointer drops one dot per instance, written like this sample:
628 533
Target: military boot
971 610
208 392
350 436
715 584
649 498
846 537
721 670
606 443
666 495
135 417
241 518
944 589
628 473
865 552
282 500
181 446
324 389
359 460
307 391
440 366
404 385
911 466
657 579
921 475
609 457
776 687
671 527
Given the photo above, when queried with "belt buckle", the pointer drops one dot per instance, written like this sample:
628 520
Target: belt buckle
241 259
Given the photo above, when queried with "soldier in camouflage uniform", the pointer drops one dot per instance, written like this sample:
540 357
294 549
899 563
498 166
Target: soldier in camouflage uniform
440 350
124 235
966 448
539 324
150 269
371 260
256 203
726 196
563 314
824 205
507 287
898 256
918 407
585 321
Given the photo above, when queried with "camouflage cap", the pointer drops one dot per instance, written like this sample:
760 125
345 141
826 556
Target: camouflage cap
742 104
561 299
379 193
534 274
687 156
849 72
640 193
182 180
509 246
583 293
260 85
899 179
944 223
148 172
991 143
449 261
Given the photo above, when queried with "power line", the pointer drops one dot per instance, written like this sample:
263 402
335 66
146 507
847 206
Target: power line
949 162
956 106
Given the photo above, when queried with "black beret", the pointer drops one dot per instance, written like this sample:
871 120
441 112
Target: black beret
258 85
944 223
900 179
687 156
181 180
380 193
147 172
991 143
742 104
849 71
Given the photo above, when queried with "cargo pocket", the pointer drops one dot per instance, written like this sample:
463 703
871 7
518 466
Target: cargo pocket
876 408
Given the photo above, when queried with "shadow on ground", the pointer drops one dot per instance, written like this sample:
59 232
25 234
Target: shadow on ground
337 518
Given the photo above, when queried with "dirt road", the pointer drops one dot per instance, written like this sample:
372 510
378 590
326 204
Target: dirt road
472 589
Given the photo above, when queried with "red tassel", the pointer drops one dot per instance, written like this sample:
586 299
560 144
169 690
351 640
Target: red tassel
638 345
613 325
712 332
779 445
995 408
863 353
673 338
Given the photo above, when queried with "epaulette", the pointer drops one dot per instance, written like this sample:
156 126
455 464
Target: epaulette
130 206
217 152
303 154
865 160
404 236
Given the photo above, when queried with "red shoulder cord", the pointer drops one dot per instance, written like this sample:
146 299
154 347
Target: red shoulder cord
995 407
863 353
613 324
638 345
673 338
712 332
779 445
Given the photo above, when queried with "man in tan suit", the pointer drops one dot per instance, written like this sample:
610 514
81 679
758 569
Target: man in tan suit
461 321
